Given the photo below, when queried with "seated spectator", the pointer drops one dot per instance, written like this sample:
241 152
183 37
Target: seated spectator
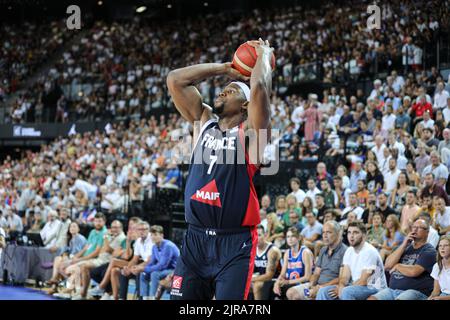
280 207
75 243
392 238
114 243
409 212
61 236
51 229
312 231
431 189
102 274
383 207
391 175
308 206
353 207
14 225
362 269
322 173
442 217
438 169
267 267
376 232
357 174
398 195
433 235
410 266
162 263
329 195
293 221
342 194
90 251
292 205
275 230
413 176
370 210
296 191
265 204
427 206
312 191
329 261
142 252
320 207
440 272
362 194
297 265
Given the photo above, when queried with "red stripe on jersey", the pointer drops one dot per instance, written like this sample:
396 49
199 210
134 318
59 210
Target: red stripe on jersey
251 217
251 264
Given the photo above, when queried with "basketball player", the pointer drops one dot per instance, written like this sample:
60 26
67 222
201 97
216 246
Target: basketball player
297 265
221 205
267 267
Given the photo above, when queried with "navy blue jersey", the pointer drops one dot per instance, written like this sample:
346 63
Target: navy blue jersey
219 191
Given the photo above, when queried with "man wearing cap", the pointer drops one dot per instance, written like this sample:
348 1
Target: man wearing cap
222 209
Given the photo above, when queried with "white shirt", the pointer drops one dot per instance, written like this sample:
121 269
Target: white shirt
143 249
446 114
428 124
440 172
388 122
356 210
443 219
300 195
264 224
442 277
390 178
433 237
49 232
379 153
440 99
312 194
367 258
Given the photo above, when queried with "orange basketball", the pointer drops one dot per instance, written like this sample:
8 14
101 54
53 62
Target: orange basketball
244 59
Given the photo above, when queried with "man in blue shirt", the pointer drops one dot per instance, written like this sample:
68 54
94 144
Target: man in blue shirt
163 260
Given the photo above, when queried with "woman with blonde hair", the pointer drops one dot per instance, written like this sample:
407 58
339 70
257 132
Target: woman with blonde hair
393 236
280 206
291 204
275 229
343 173
441 271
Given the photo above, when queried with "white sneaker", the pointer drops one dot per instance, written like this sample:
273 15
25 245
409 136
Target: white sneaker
78 297
106 296
96 292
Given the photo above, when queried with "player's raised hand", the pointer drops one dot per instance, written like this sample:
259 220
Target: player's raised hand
233 73
261 46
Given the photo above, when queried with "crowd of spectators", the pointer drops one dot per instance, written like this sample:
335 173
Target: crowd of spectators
379 191
24 49
117 69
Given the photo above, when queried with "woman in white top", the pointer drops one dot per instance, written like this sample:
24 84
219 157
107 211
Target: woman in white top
441 271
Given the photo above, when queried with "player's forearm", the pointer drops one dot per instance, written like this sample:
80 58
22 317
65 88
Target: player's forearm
193 74
262 72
